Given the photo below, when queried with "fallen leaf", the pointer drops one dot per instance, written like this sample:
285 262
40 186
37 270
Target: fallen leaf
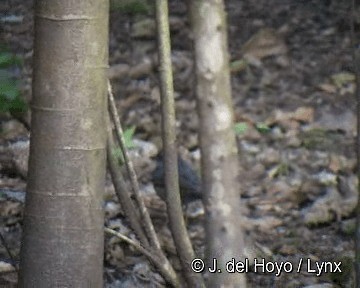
266 42
304 114
328 88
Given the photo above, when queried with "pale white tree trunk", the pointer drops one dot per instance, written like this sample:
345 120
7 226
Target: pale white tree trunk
217 139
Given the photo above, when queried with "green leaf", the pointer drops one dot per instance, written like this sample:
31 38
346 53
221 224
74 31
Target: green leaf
240 127
4 75
10 96
5 59
18 105
117 153
8 59
9 90
238 65
128 137
262 128
342 78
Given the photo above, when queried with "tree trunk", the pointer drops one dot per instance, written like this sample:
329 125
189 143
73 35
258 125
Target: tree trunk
63 220
217 140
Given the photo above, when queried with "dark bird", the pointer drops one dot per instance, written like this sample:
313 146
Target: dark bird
189 182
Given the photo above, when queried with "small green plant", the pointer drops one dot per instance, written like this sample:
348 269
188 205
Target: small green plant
129 143
282 169
128 137
10 96
241 127
262 127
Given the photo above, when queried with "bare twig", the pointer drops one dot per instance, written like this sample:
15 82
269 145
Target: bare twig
163 266
121 191
150 255
135 219
147 224
173 202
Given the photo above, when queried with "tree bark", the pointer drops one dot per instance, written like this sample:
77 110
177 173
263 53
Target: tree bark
173 202
63 219
217 140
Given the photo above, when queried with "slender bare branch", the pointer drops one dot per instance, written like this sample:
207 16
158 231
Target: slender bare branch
163 264
147 224
121 191
176 218
150 255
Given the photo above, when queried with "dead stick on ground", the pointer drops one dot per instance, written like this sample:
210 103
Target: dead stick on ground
149 228
151 256
167 270
121 191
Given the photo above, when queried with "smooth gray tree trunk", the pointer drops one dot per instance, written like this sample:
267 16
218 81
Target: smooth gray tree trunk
224 237
63 220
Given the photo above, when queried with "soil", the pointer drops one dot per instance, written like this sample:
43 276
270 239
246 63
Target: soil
293 88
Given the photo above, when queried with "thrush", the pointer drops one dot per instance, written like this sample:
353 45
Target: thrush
189 181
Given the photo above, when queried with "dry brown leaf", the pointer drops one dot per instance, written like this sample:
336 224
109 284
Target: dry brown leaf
266 42
328 88
304 114
291 119
334 165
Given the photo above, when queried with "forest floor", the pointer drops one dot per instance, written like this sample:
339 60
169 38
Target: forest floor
293 92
